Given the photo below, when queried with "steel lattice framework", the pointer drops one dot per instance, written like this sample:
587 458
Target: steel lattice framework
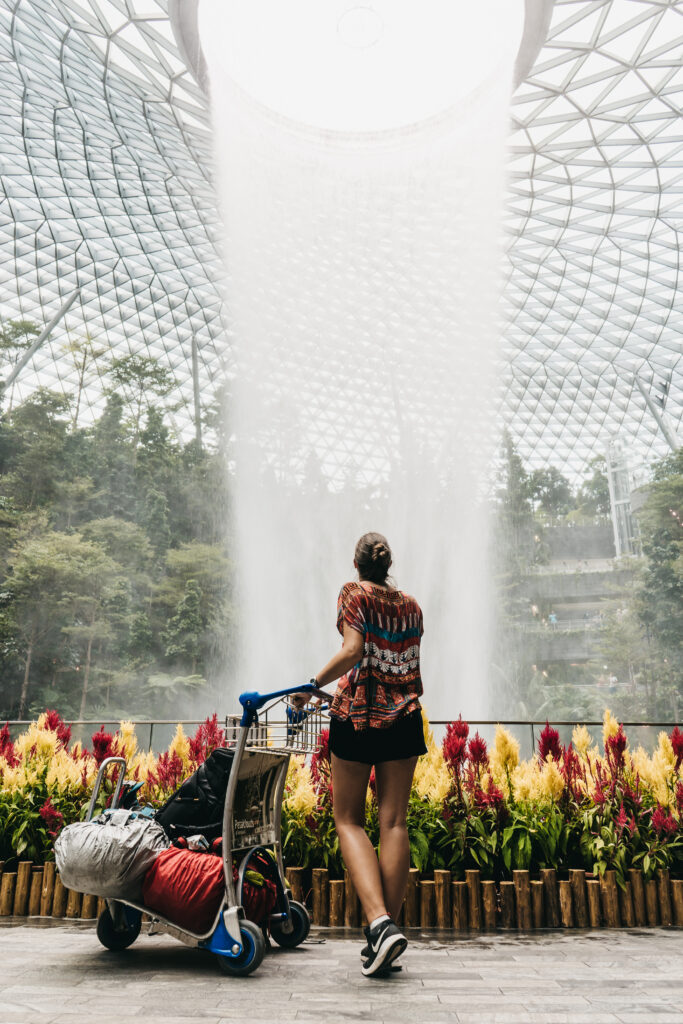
105 186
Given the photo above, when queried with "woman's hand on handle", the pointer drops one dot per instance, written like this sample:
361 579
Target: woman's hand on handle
351 653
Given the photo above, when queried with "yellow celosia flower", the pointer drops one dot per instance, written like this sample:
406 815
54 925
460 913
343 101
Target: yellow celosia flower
504 755
64 773
666 750
180 745
428 735
36 742
432 780
300 795
581 739
610 726
128 741
551 783
525 781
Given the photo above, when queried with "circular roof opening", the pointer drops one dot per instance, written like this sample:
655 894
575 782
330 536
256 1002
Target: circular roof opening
360 27
347 67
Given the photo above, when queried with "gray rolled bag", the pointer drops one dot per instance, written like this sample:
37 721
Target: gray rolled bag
110 855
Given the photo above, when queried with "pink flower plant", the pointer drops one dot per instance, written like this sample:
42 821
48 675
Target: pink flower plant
549 743
103 745
7 747
55 723
208 737
677 744
53 818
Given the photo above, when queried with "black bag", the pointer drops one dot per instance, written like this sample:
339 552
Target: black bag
196 808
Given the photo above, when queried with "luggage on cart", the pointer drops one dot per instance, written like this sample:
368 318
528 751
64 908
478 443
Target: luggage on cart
188 887
185 887
197 805
235 795
110 855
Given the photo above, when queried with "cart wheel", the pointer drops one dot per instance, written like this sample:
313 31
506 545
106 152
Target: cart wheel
253 951
118 940
302 926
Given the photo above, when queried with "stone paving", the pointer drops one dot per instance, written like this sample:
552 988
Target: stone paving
59 974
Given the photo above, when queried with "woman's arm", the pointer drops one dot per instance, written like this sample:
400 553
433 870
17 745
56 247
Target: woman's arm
350 654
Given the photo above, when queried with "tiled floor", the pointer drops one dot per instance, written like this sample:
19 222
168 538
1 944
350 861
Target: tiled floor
59 974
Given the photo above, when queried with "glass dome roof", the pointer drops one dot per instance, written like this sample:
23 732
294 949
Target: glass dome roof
105 186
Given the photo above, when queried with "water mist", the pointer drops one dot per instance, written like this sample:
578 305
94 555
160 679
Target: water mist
361 169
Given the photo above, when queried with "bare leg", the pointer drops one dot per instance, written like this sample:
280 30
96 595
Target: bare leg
394 782
349 787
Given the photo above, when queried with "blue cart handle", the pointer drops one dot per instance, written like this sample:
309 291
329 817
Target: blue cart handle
252 701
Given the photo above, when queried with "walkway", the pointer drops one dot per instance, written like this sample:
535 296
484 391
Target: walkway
58 974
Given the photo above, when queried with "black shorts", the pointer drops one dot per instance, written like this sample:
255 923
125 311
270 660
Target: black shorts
403 739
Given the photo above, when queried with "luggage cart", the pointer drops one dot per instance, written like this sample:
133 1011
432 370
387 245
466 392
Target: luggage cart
251 821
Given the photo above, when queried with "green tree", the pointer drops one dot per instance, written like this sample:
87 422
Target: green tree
208 566
15 337
551 491
83 352
155 521
183 636
593 496
36 462
137 378
43 568
92 608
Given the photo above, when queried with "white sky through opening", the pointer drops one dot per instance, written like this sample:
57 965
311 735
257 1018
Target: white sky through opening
345 66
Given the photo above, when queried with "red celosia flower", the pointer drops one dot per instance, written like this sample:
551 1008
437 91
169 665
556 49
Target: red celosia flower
670 825
614 748
170 770
477 751
320 761
677 743
52 818
207 738
493 798
324 745
7 747
103 745
372 782
55 723
658 818
454 749
632 827
598 796
549 743
679 796
572 772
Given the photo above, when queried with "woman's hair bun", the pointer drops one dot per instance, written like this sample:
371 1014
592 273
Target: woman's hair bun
373 557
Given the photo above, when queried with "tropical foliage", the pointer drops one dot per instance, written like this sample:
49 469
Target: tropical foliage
114 570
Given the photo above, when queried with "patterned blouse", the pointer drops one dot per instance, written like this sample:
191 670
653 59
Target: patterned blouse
386 683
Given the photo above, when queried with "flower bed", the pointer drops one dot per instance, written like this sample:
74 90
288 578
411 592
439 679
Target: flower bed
566 820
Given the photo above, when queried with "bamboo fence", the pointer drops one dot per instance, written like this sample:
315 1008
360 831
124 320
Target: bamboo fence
471 905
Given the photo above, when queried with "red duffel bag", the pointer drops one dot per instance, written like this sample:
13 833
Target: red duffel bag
186 887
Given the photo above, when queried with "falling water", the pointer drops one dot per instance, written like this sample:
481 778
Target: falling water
362 244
